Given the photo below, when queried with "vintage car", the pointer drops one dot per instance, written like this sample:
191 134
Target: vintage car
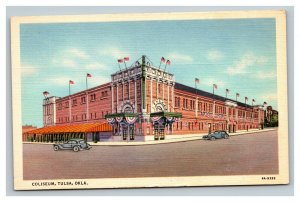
219 134
72 144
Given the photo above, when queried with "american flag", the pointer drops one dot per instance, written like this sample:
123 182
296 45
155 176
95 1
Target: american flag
246 98
215 86
168 62
227 90
197 80
253 100
88 75
126 59
71 82
120 60
237 94
163 60
265 103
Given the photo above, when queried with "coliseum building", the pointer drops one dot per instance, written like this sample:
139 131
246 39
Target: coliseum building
141 103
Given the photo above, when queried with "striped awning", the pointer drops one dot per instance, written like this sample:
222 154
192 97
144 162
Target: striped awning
73 128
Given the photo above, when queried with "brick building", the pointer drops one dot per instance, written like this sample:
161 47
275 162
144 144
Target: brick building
144 102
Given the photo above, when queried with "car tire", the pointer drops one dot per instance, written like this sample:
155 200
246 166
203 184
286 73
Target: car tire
226 136
55 148
212 138
76 149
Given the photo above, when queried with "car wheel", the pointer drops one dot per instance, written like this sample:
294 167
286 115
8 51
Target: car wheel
75 149
226 136
55 148
212 138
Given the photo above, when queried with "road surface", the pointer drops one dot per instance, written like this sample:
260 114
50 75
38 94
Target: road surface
247 154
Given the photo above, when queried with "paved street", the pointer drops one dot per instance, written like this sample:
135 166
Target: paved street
240 155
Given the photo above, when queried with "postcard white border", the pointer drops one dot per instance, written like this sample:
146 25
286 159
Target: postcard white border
281 178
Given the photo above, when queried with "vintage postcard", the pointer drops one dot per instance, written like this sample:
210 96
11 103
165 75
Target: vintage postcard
150 100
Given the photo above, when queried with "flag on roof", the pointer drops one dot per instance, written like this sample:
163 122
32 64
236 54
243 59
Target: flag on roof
237 94
168 62
246 98
253 100
215 86
120 60
227 90
126 59
163 60
71 82
88 75
197 80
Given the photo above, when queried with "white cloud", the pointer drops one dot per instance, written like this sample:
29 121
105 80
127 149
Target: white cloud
27 70
74 52
214 55
265 75
68 63
96 66
114 52
59 80
245 62
96 80
179 58
211 81
269 97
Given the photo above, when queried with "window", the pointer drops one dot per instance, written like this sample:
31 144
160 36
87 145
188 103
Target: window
67 104
74 102
59 106
93 97
83 100
159 88
103 94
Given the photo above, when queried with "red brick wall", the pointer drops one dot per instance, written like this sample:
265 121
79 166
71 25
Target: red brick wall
97 107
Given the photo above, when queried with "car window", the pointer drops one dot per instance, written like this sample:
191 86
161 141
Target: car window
72 142
81 142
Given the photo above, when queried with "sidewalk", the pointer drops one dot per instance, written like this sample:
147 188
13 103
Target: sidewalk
166 141
180 139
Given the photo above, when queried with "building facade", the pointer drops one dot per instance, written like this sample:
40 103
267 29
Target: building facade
144 102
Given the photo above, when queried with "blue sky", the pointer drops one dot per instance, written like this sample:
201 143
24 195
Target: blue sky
238 54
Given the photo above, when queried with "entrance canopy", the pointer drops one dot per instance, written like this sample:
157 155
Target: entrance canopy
73 128
129 118
121 115
166 114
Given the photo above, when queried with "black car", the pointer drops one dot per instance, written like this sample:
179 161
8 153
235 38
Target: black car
73 144
220 134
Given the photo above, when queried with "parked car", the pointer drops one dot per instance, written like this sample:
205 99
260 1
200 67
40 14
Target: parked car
220 134
73 144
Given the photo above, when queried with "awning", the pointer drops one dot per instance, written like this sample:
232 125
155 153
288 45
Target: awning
121 115
73 128
166 114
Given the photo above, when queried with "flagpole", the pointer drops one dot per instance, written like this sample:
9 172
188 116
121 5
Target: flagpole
159 64
125 64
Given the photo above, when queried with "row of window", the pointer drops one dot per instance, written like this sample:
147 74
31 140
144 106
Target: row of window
82 99
198 126
189 104
83 117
